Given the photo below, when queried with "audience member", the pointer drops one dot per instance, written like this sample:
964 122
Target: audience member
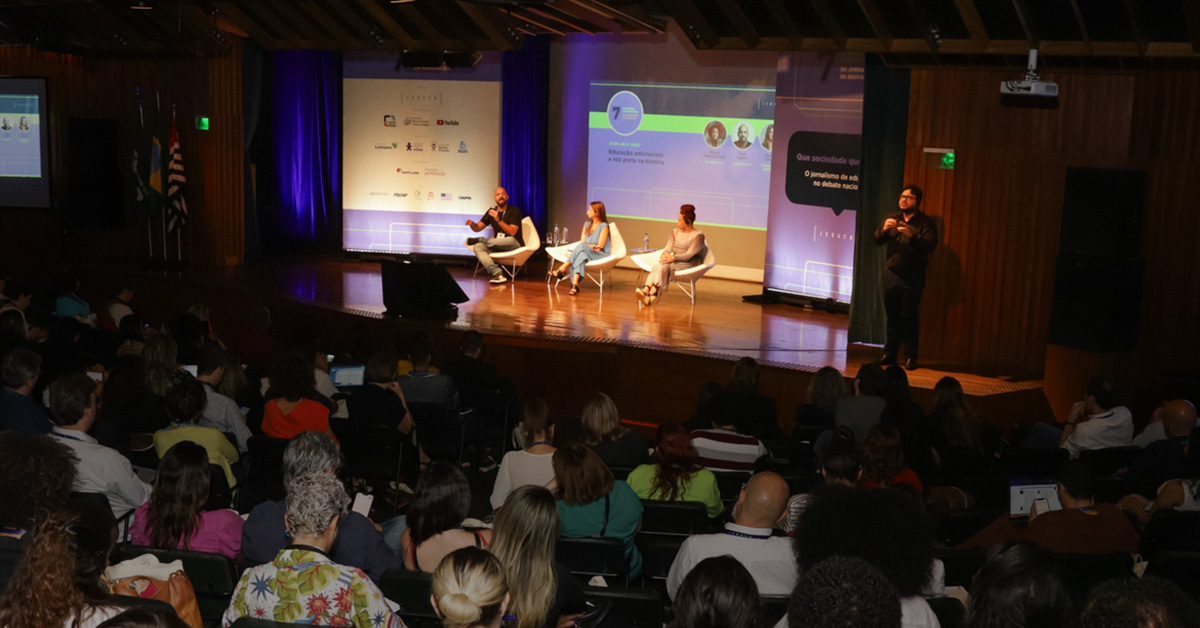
132 334
756 413
185 406
841 464
423 384
591 503
290 409
118 307
1148 602
358 544
380 400
826 388
617 446
883 460
676 475
1164 459
526 533
190 334
1157 429
725 447
700 418
59 580
257 343
160 357
1097 422
469 590
220 412
717 593
532 465
35 477
439 505
761 505
469 371
846 593
19 300
18 411
13 334
333 594
954 424
100 469
1182 493
128 400
1018 587
69 304
865 408
175 516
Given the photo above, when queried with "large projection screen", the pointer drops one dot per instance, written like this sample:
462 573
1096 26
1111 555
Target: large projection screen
24 143
419 157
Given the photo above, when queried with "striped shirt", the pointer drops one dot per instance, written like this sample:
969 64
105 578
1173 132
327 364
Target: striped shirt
723 450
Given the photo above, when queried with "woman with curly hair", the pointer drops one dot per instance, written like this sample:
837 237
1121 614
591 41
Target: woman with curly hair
58 582
174 517
825 390
161 359
676 476
36 474
883 460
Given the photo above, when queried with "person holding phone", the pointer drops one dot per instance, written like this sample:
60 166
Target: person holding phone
911 236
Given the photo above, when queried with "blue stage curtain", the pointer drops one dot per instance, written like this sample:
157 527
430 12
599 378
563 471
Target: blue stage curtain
525 108
307 128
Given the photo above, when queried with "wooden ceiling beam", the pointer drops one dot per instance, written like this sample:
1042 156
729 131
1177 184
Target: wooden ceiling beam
462 33
921 17
1191 13
290 26
427 29
325 21
970 17
689 18
531 25
742 24
878 24
571 24
786 22
604 23
1083 29
1137 25
232 11
385 21
494 25
206 24
632 14
829 21
361 29
1026 22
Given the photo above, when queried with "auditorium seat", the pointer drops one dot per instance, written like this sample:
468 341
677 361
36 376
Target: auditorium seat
674 518
774 607
410 591
1081 572
961 565
631 608
658 553
949 611
371 451
213 575
594 556
1182 568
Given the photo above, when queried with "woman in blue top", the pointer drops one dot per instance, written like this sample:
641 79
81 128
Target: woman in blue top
594 244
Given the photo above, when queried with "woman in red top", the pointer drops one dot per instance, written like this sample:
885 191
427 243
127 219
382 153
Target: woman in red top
289 411
883 460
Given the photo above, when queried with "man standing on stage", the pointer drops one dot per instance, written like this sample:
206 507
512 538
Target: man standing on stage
910 236
506 220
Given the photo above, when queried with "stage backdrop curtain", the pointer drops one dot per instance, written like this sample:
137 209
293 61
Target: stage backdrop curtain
253 59
307 127
525 105
885 127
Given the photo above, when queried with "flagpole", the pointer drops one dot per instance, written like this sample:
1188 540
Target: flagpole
136 175
179 227
163 208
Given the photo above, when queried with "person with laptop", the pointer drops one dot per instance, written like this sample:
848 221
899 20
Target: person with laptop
380 400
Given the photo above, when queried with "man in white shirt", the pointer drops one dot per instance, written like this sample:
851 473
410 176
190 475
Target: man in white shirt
761 505
100 469
1097 422
221 412
1173 410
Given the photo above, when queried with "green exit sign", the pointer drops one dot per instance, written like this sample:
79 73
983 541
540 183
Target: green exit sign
202 123
948 161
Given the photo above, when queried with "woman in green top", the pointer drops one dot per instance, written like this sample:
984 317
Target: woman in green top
677 476
591 503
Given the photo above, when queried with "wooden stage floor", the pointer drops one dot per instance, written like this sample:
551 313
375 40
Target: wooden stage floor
720 324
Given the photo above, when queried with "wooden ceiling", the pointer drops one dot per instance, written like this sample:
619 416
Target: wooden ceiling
905 32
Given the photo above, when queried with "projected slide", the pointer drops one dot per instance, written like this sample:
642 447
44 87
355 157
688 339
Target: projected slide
418 158
20 132
652 148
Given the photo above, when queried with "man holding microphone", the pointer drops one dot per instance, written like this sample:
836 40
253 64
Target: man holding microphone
506 220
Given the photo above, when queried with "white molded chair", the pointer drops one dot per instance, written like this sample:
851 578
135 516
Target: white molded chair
516 257
685 279
617 253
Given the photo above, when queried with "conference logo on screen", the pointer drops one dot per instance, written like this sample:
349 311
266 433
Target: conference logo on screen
386 146
410 121
447 122
435 172
400 194
625 112
462 147
417 194
414 147
403 171
447 197
463 198
389 120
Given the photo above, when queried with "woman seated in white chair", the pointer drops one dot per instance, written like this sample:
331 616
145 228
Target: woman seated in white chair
594 244
684 249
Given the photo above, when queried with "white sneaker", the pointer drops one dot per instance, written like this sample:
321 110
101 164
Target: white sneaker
499 278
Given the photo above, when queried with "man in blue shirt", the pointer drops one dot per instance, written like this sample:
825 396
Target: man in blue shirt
18 411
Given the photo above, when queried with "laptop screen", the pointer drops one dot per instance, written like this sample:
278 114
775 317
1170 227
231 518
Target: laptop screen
1022 492
350 375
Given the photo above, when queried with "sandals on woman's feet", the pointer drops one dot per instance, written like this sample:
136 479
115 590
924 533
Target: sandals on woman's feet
574 290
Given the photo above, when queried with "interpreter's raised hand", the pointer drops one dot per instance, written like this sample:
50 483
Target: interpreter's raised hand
904 228
889 224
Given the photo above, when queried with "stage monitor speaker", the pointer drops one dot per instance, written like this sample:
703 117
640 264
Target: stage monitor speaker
420 290
1100 272
436 59
94 177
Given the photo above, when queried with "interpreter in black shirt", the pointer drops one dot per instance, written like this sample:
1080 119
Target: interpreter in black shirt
910 236
506 220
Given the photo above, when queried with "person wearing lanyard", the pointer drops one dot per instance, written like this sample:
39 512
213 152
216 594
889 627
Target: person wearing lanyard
532 465
761 504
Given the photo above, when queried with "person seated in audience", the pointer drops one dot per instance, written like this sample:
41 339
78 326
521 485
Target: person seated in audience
953 424
865 409
603 433
380 400
291 409
844 592
12 333
68 304
1018 586
676 475
591 503
469 371
1097 422
1182 493
18 411
19 300
439 505
756 412
132 334
1082 526
826 388
469 590
761 505
175 518
118 307
717 593
532 465
220 412
100 469
1164 459
160 358
725 446
185 406
1148 602
701 417
35 476
59 581
257 343
359 542
1156 430
303 584
883 460
129 402
841 464
908 417
885 528
526 535
190 334
423 384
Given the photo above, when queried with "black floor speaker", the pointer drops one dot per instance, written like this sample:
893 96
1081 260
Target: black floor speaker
419 289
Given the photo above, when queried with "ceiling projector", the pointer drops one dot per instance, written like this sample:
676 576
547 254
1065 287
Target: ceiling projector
1031 85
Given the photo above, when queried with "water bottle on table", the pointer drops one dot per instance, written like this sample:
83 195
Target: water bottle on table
556 235
646 242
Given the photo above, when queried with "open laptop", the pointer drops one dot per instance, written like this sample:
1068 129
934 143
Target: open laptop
345 376
1022 492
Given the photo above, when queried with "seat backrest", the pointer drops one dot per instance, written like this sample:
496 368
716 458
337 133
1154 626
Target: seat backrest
961 565
440 429
1182 568
410 591
618 243
658 553
211 574
949 611
1175 530
266 467
131 601
1109 461
631 608
1047 462
1081 572
529 234
729 484
675 518
774 607
594 556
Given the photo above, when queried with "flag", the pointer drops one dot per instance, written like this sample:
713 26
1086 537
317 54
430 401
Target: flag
141 191
177 213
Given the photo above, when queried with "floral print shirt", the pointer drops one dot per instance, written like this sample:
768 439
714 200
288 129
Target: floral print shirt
302 586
